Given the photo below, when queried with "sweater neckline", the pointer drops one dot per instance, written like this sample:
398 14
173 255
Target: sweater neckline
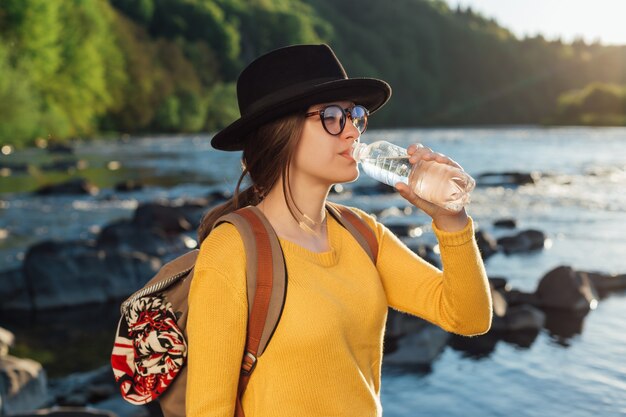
327 258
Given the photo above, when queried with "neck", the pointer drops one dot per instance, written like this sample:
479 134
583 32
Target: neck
310 201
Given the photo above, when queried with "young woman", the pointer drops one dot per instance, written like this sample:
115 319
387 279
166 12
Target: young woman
300 115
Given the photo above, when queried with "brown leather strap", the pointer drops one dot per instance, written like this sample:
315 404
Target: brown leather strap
266 281
357 227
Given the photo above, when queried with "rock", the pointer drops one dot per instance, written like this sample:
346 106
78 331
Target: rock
505 223
61 274
6 341
486 244
500 306
22 385
524 317
128 185
562 325
517 297
126 236
521 338
13 291
605 283
563 288
475 347
420 348
65 165
169 219
499 283
116 404
498 179
74 186
57 147
400 324
63 411
523 242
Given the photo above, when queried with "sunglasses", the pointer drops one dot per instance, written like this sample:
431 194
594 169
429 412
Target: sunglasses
334 118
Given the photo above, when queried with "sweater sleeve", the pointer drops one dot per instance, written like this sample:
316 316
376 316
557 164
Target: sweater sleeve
457 299
216 325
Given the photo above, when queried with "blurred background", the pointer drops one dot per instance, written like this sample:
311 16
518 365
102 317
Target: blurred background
107 108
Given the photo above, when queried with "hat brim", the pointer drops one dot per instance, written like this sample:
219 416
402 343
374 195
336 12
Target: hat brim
368 92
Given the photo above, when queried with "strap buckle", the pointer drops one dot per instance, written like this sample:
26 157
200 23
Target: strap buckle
248 364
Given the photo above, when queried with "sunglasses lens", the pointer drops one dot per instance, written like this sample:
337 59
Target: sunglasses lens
359 118
334 119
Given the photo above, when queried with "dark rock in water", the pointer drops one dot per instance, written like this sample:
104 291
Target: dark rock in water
13 291
70 412
128 185
66 165
506 223
22 385
420 348
499 283
170 220
126 236
605 283
524 317
410 340
496 179
97 389
400 230
171 217
74 186
14 167
516 297
563 325
474 347
563 288
486 244
525 241
61 274
57 147
500 307
218 197
521 338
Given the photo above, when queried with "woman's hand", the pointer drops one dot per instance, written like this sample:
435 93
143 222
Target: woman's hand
446 220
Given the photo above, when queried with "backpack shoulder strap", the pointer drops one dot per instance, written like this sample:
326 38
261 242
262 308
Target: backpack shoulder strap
266 276
361 231
265 273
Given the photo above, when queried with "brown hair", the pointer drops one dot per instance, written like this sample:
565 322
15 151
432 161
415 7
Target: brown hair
267 155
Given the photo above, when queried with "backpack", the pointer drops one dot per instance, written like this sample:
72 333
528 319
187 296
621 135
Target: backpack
149 352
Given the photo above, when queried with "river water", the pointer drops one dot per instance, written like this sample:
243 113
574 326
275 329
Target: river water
579 201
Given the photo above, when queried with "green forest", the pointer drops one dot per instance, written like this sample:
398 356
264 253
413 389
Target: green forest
86 68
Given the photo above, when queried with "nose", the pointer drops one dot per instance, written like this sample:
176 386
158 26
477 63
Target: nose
350 131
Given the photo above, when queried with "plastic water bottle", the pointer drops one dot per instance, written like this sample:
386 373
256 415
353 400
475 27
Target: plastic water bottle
441 184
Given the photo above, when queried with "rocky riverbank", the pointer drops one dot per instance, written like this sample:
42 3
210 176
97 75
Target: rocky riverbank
126 253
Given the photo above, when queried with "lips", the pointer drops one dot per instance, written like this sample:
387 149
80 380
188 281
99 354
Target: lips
347 154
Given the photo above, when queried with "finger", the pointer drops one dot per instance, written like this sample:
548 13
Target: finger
408 194
414 147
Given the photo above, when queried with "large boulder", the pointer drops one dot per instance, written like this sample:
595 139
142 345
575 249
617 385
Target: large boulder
524 241
126 236
61 274
487 245
606 283
13 291
565 289
410 340
500 179
22 385
73 186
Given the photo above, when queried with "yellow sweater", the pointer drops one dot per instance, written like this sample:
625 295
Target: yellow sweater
325 356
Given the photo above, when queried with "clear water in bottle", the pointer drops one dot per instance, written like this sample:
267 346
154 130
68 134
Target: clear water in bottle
441 184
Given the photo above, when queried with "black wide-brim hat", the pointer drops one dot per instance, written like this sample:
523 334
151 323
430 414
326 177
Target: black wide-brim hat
289 80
